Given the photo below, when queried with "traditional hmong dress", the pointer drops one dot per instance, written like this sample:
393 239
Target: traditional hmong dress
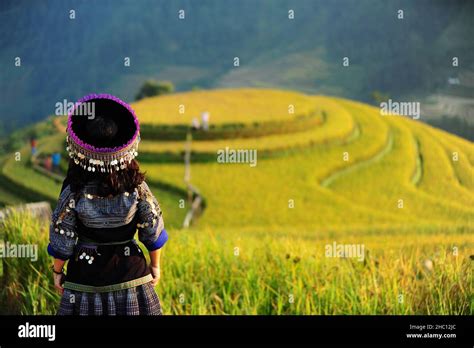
107 273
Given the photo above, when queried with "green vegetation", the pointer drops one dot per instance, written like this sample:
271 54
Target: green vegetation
152 88
388 183
247 271
302 54
26 285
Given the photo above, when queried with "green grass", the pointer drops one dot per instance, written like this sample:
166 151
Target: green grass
279 265
8 198
278 271
22 174
27 286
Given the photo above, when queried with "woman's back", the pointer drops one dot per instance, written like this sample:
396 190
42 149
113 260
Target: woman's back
103 202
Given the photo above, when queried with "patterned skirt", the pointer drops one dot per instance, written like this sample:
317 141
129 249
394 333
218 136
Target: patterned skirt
140 300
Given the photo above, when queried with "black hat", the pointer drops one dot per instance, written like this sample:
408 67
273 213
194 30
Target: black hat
102 133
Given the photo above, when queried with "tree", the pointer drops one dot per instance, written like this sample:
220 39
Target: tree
153 88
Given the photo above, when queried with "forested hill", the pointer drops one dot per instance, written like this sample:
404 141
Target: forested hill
67 58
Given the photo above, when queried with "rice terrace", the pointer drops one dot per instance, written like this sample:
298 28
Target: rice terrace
346 210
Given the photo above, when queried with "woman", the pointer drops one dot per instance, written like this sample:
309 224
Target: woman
103 201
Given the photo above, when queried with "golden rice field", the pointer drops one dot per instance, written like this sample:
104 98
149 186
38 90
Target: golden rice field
388 183
225 106
334 128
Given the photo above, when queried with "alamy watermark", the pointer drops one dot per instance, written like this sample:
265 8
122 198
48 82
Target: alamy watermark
390 107
228 155
80 109
9 250
345 251
37 331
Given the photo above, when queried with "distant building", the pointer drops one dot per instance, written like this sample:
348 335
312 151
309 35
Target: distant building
453 81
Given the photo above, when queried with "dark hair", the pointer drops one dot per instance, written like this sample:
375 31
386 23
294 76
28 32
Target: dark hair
109 183
102 132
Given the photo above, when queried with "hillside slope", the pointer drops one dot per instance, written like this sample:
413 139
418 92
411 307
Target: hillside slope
340 173
274 51
339 165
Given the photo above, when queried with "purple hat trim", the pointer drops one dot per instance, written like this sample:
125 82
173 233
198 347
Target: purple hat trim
103 159
92 148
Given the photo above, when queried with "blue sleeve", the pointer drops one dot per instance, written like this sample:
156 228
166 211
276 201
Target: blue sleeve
62 231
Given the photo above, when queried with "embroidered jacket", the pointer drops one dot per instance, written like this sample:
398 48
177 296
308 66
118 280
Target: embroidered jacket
96 234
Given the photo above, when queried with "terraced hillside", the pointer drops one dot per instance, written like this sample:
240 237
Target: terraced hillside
353 169
328 170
